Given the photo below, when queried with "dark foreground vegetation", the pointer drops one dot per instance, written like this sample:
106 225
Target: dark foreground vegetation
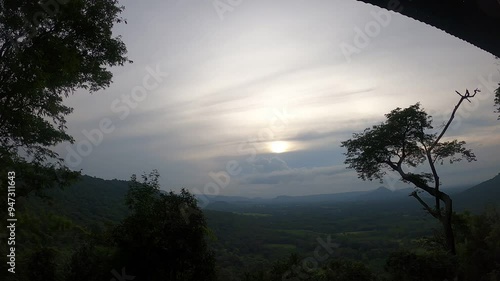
100 230
116 230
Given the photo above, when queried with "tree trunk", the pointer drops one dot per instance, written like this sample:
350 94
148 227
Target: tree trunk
450 237
447 223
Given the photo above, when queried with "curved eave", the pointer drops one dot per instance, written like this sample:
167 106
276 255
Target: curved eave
476 22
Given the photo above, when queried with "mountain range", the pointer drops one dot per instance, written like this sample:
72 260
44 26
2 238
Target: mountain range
107 197
475 197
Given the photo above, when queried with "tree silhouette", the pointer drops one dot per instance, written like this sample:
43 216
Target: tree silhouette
497 96
156 242
404 265
497 100
42 265
49 49
402 143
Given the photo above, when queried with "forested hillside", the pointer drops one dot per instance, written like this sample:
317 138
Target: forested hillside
247 235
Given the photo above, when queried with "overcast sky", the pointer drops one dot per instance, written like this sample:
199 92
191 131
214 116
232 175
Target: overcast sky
217 87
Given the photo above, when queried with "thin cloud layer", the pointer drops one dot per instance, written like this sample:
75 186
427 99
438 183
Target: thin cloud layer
274 72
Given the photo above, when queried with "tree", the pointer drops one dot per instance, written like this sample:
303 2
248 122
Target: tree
294 268
42 265
48 50
345 270
429 266
479 247
400 144
91 261
497 97
156 242
497 100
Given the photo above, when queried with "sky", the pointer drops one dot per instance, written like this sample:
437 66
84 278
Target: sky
253 98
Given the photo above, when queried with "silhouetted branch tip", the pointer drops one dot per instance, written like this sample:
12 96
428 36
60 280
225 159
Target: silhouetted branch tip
468 95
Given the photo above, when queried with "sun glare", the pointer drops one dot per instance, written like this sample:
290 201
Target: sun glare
279 146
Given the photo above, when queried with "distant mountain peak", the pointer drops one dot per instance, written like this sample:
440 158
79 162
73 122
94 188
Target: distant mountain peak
382 189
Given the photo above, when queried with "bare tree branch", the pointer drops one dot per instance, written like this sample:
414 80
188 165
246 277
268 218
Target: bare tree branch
434 213
462 98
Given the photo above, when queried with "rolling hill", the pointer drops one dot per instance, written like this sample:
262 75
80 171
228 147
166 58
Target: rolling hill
477 197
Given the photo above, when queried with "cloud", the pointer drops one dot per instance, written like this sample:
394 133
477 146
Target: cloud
272 164
276 171
227 78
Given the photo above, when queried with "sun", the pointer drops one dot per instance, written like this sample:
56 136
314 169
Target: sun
279 146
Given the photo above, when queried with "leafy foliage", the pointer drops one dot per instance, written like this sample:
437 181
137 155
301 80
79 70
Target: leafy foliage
90 261
42 265
158 235
429 266
294 268
480 246
497 99
402 140
345 270
48 50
